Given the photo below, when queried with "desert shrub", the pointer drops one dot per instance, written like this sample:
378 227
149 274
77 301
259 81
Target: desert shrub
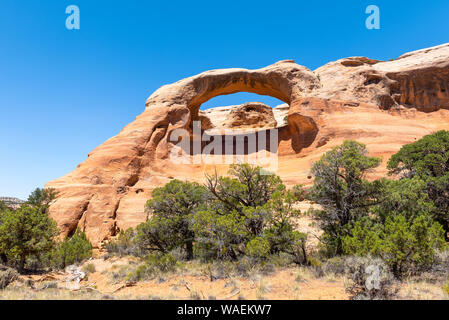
156 235
446 288
89 268
280 226
245 266
155 264
7 275
258 248
427 160
72 250
407 247
26 233
163 263
219 236
282 259
172 207
220 269
299 192
247 213
370 279
442 261
41 198
335 265
3 207
124 244
341 188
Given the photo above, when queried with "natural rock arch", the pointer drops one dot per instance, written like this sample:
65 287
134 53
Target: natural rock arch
284 80
97 195
341 100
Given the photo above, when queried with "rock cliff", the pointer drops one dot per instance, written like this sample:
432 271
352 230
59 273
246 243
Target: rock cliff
382 104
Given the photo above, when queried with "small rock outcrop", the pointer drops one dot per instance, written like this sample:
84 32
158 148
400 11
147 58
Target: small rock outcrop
251 115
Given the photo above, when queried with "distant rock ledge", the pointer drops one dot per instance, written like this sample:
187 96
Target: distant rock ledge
13 203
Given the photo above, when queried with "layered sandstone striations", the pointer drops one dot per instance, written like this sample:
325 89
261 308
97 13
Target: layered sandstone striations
382 104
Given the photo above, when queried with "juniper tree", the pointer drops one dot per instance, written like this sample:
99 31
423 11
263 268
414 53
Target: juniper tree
26 233
172 207
342 190
427 160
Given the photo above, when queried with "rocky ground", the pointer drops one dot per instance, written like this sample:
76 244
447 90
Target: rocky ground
104 281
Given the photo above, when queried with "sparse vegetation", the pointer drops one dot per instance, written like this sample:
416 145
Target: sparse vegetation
397 221
28 236
244 225
124 244
406 247
7 275
245 218
89 268
343 191
446 288
370 279
154 265
71 250
25 234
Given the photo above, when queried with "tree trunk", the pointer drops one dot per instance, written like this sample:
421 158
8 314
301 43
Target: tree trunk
3 259
304 253
189 249
22 264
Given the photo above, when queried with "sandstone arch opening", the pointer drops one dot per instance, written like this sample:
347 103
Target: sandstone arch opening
243 110
249 127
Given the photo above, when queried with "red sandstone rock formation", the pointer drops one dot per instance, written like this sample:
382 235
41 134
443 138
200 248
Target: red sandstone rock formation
251 115
382 104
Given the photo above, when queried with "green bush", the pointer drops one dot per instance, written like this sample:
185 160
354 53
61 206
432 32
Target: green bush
89 268
225 219
407 247
405 197
41 198
124 244
3 207
341 188
427 160
172 207
220 236
446 288
72 250
258 248
24 234
335 265
154 265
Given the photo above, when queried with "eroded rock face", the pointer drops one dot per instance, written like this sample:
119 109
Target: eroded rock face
254 115
381 104
418 79
251 115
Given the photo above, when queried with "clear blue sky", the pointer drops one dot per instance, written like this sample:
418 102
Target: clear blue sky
62 93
